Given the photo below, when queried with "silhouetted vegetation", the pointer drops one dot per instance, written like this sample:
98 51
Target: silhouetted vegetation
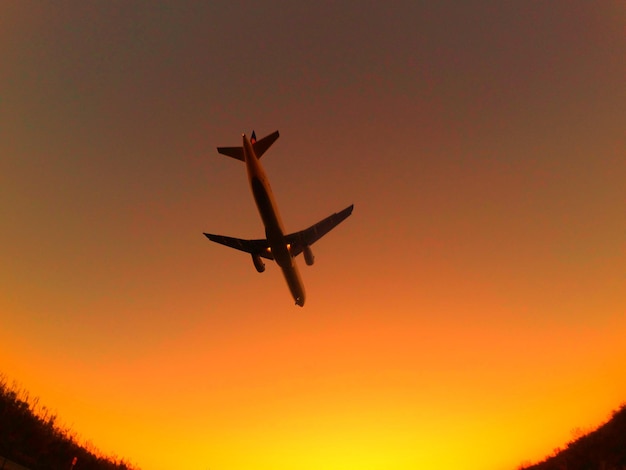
30 436
602 449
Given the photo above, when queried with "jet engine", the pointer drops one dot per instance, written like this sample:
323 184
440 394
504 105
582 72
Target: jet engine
308 255
258 263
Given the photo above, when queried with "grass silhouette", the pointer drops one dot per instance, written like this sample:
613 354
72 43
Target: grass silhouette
601 449
30 436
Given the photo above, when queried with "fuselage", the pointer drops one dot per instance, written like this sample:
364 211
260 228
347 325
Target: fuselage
274 230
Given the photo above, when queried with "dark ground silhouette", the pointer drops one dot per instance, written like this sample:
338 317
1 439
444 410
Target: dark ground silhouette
602 449
30 436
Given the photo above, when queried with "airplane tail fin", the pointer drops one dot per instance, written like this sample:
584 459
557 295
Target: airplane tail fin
259 146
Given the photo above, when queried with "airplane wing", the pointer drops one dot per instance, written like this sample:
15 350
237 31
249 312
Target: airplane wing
307 237
254 247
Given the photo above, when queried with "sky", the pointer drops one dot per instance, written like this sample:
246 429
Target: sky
471 313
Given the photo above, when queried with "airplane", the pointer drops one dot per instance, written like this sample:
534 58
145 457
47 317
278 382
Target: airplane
278 246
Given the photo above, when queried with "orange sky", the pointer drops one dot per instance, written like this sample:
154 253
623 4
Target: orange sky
470 313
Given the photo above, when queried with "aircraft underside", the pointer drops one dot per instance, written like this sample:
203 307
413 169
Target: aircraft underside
276 246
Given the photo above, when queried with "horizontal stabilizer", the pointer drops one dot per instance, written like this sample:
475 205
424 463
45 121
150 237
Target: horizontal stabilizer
234 152
260 147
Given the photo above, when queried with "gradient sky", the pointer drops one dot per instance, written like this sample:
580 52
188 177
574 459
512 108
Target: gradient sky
470 314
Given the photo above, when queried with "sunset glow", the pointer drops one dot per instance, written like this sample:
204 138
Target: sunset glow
470 313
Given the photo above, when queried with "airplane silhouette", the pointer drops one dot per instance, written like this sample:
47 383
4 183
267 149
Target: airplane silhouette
277 245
